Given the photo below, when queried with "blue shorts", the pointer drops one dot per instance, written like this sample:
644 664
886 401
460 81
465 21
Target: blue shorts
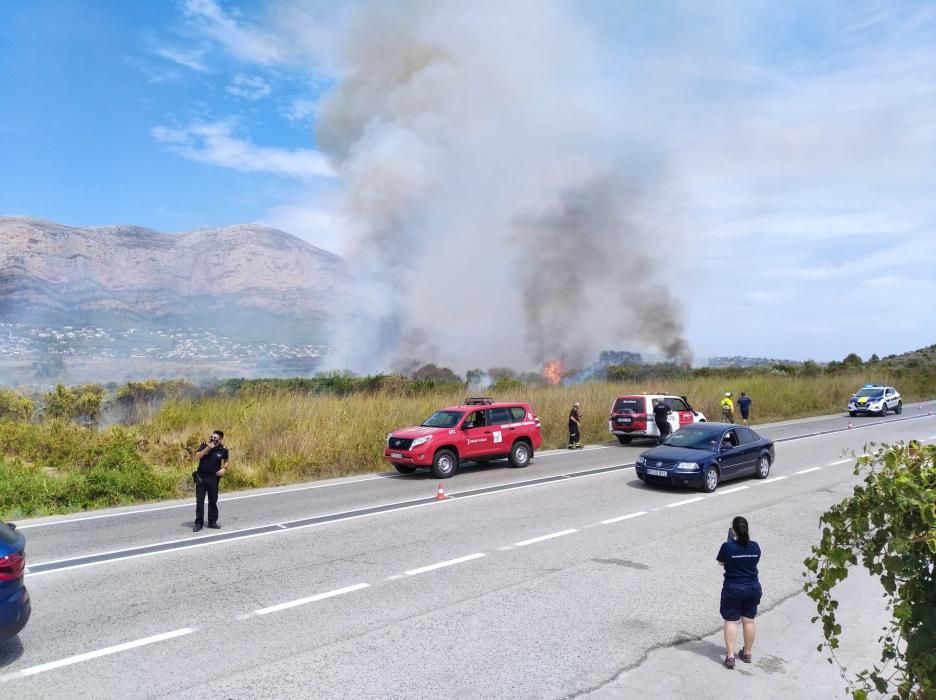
739 600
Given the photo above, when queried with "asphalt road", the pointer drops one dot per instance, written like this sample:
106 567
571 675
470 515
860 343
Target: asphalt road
544 582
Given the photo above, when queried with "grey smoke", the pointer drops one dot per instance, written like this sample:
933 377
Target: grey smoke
501 214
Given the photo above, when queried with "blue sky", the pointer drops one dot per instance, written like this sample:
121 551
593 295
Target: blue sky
89 86
798 138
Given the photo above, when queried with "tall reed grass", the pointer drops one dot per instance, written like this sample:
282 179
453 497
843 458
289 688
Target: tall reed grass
279 437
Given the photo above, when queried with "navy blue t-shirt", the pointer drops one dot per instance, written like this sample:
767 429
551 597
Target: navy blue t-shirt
740 561
744 403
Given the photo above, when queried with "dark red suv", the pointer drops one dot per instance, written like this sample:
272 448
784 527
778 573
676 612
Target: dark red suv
477 431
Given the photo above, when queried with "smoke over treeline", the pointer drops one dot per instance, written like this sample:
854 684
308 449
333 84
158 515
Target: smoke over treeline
501 214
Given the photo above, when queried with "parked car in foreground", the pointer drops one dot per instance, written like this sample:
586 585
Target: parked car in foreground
877 399
704 454
479 430
632 416
15 607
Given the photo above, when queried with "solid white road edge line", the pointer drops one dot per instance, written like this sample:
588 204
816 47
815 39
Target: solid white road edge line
310 599
442 564
542 538
682 503
189 505
623 517
806 471
52 665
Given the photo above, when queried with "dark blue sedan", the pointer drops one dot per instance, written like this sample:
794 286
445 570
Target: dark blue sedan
703 454
14 600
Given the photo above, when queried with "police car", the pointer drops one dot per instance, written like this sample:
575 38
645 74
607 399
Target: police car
876 399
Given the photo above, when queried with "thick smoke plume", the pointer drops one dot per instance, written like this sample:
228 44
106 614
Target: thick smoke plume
502 215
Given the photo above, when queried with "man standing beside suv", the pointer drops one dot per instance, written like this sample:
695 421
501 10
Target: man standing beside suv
661 413
212 459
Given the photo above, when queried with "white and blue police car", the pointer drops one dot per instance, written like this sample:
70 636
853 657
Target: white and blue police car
875 399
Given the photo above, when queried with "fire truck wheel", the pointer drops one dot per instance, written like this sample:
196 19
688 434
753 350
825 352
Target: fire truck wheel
520 454
444 464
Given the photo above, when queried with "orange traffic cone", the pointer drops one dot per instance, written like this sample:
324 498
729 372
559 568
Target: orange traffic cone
440 494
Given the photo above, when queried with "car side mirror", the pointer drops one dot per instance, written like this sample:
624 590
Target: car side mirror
12 526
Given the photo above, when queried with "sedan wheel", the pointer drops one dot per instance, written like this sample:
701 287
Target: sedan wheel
763 467
444 464
899 408
710 480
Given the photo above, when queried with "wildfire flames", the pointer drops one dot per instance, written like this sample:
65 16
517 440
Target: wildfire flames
553 371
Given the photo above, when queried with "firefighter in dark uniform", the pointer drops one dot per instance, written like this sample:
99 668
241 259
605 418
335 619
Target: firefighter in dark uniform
212 462
575 433
661 417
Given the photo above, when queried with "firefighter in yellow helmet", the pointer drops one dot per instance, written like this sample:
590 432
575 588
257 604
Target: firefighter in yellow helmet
727 408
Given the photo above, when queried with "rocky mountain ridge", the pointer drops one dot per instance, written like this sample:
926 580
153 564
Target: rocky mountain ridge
225 278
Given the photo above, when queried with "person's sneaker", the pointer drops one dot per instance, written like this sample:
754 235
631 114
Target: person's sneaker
729 662
197 527
214 526
746 658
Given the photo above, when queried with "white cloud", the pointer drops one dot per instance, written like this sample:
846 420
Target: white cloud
249 87
215 143
320 225
190 58
242 41
300 110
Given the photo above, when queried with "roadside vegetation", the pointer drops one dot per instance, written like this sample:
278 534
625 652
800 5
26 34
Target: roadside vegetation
888 527
91 446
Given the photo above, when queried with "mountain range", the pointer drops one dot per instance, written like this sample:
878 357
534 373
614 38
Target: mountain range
244 280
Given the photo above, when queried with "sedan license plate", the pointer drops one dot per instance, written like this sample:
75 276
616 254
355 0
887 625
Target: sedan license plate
396 455
656 472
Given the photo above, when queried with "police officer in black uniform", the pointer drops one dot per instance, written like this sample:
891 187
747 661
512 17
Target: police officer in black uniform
212 462
661 417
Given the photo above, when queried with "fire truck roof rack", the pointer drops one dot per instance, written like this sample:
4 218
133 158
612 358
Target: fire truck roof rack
478 401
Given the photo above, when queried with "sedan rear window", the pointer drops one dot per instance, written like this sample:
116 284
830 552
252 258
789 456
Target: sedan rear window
634 404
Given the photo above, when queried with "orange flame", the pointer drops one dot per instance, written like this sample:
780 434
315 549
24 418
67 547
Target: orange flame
553 371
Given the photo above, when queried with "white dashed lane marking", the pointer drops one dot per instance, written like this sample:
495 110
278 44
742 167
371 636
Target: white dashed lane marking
543 538
811 469
442 564
725 492
686 502
771 481
77 659
623 517
310 599
841 461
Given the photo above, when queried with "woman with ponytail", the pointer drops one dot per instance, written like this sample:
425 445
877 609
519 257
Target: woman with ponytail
741 591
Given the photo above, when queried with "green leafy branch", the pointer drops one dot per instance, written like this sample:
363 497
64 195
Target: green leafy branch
886 525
